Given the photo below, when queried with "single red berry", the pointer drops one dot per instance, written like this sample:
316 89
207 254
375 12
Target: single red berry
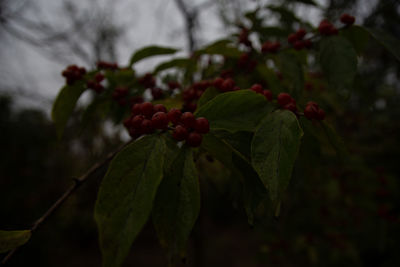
194 139
147 126
290 106
136 122
180 133
136 109
147 109
310 112
174 115
227 85
325 27
268 95
257 88
347 19
160 108
128 122
188 119
160 120
201 125
283 99
300 33
292 38
218 82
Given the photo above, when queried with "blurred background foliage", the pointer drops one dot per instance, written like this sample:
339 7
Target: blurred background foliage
340 210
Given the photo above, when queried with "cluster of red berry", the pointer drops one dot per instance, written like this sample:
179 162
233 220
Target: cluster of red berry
119 94
297 40
107 65
73 73
347 19
95 84
146 118
286 101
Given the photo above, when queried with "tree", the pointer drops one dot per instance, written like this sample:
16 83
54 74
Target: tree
255 117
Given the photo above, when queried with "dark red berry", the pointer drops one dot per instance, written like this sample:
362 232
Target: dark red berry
310 112
160 120
292 38
147 109
128 122
268 95
325 27
136 121
218 82
201 125
320 114
300 33
290 106
136 109
188 119
227 85
160 108
99 77
157 93
257 88
298 45
283 99
174 115
147 126
180 133
347 19
194 139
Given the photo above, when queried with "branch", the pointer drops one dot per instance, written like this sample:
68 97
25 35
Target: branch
190 19
77 183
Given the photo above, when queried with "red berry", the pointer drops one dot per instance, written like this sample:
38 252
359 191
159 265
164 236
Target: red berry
325 27
128 122
347 19
267 94
292 38
191 107
194 139
218 82
227 85
201 125
290 106
188 119
283 99
147 109
300 33
160 120
180 133
136 122
257 88
147 126
136 109
157 93
174 115
159 108
310 112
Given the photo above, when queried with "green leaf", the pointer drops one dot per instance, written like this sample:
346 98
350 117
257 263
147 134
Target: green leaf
338 60
150 51
358 37
292 70
270 76
208 94
221 47
334 139
177 203
174 63
274 150
13 239
235 111
388 41
64 105
126 195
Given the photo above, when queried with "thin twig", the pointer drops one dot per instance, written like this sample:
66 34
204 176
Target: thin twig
77 182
